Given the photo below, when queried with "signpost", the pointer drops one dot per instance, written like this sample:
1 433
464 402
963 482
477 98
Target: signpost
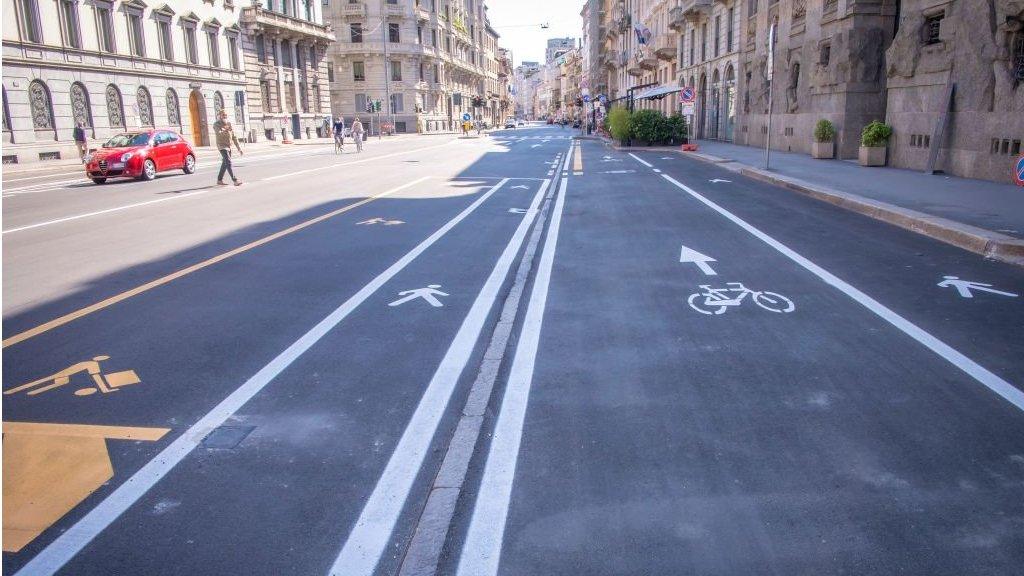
769 73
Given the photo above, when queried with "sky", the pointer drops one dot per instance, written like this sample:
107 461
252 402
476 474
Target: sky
519 24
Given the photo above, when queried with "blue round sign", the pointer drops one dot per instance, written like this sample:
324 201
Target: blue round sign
1019 172
586 97
466 117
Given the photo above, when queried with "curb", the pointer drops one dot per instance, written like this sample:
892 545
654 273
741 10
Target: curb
978 240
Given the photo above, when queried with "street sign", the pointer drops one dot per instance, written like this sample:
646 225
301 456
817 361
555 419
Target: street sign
466 117
687 95
586 97
1018 173
689 109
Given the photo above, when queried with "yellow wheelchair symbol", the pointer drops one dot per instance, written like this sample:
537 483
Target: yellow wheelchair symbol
105 383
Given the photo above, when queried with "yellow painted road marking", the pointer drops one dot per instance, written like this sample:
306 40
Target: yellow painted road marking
50 468
105 383
57 322
577 163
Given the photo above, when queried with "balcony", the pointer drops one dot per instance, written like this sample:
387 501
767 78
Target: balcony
394 10
634 68
693 9
665 46
676 20
256 19
648 61
422 14
356 11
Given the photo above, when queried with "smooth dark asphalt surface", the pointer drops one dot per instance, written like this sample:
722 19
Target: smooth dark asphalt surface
659 440
656 439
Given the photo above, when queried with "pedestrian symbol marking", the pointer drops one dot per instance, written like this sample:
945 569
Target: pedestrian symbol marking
104 383
383 221
715 301
701 260
965 287
717 180
430 294
51 468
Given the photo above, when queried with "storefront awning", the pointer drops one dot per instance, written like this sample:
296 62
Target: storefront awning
658 92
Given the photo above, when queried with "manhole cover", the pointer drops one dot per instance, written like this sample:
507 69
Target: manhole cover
227 437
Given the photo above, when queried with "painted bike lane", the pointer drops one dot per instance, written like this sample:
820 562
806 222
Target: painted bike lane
794 432
189 344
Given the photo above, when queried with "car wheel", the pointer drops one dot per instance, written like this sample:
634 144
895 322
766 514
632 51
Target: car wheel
148 170
190 164
99 180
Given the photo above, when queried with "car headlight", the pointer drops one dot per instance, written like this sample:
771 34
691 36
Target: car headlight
126 156
88 158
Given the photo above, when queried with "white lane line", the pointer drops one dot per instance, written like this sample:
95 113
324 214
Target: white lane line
481 552
339 165
78 536
568 158
97 213
1001 387
371 534
640 160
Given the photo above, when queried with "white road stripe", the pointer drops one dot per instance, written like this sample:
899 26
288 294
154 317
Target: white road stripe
1001 387
640 160
372 532
74 539
107 211
372 159
481 552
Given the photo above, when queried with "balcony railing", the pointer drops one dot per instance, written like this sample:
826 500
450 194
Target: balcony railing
648 61
265 19
665 46
676 20
634 69
694 9
394 10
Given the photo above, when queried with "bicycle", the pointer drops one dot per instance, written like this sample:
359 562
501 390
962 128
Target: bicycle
717 300
339 144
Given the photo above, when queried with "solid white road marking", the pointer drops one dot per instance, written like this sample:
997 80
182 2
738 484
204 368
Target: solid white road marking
521 186
481 552
370 536
642 161
354 162
97 213
76 537
429 294
518 210
1001 387
618 172
964 287
701 260
717 180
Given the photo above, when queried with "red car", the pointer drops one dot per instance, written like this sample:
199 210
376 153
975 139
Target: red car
141 155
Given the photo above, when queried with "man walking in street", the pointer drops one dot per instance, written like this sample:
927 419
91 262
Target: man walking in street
225 137
81 142
357 133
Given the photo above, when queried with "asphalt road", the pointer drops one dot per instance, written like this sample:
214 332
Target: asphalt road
706 375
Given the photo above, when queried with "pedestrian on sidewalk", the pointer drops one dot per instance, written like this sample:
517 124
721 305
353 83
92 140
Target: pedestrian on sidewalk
81 142
225 137
358 133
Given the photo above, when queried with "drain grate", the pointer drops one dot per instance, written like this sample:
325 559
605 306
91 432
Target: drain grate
227 437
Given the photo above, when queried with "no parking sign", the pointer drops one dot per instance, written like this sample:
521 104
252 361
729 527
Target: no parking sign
686 95
1018 172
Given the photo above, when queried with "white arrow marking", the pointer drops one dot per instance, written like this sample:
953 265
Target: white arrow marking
701 260
517 210
717 180
612 160
520 186
429 294
964 287
535 145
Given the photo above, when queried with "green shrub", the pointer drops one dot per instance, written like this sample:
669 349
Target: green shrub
620 123
875 134
677 128
650 126
824 131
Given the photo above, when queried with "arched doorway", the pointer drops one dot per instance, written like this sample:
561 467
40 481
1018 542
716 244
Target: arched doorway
197 113
714 107
702 107
730 102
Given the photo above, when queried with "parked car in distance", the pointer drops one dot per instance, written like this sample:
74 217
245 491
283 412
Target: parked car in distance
510 123
141 155
520 123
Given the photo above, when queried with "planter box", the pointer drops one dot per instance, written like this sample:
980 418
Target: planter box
874 156
823 150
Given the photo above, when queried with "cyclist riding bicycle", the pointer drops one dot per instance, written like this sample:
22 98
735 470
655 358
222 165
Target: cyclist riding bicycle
339 133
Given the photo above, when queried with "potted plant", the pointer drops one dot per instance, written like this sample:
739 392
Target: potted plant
824 145
873 141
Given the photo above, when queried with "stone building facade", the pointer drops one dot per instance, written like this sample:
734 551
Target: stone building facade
115 66
435 65
284 47
976 46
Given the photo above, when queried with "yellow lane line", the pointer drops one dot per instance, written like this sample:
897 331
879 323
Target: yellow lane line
577 163
70 317
85 431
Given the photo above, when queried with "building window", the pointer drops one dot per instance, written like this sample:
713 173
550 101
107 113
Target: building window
316 99
105 27
173 114
1017 45
356 30
314 62
240 107
81 112
932 28
303 97
289 96
825 53
145 104
261 49
359 71
397 103
729 25
433 37
437 73
692 42
233 51
213 46
330 72
136 40
393 33
218 104
41 105
115 111
718 34
166 45
396 70
69 23
191 47
265 94
32 31
286 53
752 8
703 42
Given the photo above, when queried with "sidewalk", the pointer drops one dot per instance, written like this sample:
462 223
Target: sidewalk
981 216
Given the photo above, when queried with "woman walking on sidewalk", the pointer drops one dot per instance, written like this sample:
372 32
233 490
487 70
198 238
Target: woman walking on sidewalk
225 137
357 133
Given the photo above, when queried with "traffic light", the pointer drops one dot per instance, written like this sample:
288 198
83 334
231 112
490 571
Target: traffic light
376 106
369 106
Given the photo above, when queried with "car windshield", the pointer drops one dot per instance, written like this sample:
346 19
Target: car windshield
133 139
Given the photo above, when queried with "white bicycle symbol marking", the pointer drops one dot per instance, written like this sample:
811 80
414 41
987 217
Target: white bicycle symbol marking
712 301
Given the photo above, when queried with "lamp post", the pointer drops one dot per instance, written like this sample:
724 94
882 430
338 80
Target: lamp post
387 68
